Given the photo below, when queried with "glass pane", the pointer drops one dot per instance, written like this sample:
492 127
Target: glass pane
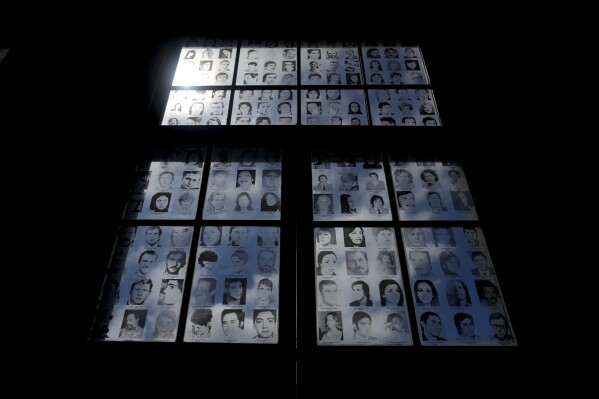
334 107
267 62
244 183
456 294
143 288
197 107
264 107
168 186
403 107
330 63
393 65
349 186
432 191
236 286
207 65
360 294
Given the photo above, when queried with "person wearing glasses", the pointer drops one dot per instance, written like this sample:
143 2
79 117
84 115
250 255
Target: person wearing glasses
501 328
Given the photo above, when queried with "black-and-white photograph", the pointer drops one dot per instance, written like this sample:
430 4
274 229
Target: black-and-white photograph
244 184
349 186
267 62
403 107
144 297
360 297
264 107
334 107
432 191
236 279
325 63
455 291
206 66
197 107
392 65
168 186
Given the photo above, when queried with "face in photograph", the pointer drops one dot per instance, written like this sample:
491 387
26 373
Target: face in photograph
181 236
265 324
268 235
211 235
407 201
244 179
329 294
239 236
205 291
357 264
420 262
266 261
232 326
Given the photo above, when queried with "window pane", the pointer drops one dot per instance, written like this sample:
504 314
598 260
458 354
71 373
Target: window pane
236 286
432 191
267 62
456 294
206 66
244 183
143 288
403 107
264 107
168 186
360 294
349 186
197 107
334 107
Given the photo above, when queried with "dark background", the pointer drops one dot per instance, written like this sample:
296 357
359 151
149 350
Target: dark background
83 93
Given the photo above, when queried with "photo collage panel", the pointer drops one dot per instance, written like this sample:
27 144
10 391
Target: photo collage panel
403 107
197 107
235 291
349 186
267 62
210 65
360 297
168 186
144 285
387 64
456 294
244 184
264 107
432 191
331 63
334 107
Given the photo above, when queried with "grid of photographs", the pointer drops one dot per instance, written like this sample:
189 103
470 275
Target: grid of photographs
330 63
267 62
359 287
334 107
386 63
349 186
235 288
403 107
456 294
244 184
197 107
432 191
211 64
144 285
168 187
264 107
